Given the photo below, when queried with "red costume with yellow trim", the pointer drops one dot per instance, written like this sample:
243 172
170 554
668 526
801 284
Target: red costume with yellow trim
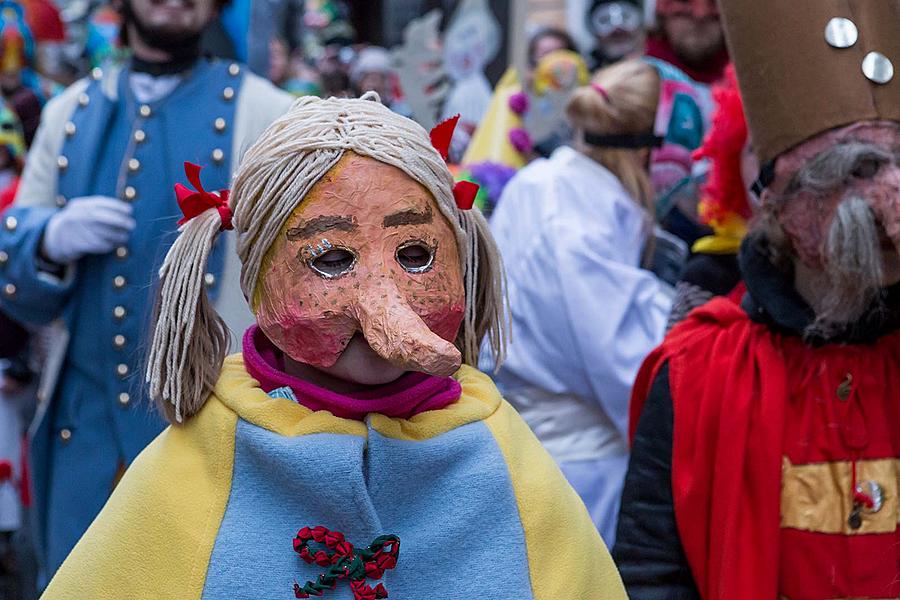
763 454
766 449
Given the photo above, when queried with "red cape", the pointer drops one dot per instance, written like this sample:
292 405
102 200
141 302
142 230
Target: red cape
729 393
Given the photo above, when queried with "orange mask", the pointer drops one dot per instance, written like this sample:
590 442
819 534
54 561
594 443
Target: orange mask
368 251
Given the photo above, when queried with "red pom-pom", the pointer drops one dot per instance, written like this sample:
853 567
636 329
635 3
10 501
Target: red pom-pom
6 471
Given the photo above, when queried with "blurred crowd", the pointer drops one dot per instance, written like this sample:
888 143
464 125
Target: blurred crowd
639 108
310 48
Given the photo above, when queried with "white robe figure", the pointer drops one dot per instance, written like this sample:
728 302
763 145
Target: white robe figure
471 41
584 317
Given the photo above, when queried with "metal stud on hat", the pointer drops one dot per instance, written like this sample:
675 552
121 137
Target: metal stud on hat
877 68
841 32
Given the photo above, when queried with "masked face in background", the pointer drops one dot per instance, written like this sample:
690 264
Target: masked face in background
365 280
817 183
617 25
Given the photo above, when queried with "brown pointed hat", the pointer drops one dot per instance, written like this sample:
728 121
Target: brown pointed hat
807 66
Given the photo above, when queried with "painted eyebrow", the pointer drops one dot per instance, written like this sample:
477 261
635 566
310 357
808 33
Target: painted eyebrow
408 217
320 224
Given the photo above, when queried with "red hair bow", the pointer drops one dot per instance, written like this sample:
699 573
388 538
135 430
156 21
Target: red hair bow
464 192
196 201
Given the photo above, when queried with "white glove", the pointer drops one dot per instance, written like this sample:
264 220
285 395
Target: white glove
88 225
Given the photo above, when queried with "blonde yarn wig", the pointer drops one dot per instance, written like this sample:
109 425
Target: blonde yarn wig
275 175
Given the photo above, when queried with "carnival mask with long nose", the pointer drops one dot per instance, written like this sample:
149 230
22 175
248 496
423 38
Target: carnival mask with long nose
367 251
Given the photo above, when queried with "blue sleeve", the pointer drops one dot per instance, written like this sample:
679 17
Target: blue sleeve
29 295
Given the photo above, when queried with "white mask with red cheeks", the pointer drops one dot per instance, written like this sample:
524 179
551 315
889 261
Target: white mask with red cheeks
806 215
368 251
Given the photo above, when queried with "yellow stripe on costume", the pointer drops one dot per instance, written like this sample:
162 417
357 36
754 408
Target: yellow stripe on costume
154 537
566 557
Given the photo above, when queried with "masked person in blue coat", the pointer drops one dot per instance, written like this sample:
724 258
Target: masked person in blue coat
93 218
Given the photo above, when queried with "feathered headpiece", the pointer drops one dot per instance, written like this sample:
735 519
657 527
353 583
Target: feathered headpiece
724 194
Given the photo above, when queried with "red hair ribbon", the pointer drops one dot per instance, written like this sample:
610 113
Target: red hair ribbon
464 192
196 201
601 90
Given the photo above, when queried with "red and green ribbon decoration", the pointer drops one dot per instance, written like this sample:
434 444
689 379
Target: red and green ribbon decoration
345 562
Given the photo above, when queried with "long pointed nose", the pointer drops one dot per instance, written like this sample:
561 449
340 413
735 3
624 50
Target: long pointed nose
397 334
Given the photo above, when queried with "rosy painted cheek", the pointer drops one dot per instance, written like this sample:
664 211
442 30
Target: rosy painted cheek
307 327
438 299
308 341
445 321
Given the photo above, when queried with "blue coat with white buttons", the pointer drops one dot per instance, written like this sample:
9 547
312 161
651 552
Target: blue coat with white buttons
95 419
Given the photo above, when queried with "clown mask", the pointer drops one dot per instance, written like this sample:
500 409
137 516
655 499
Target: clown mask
813 180
365 281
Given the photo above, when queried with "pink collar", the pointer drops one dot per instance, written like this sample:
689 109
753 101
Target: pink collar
409 395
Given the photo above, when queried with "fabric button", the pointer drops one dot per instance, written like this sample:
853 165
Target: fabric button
133 164
122 370
70 128
119 341
9 290
219 124
130 193
96 73
60 201
145 111
234 69
122 252
209 279
119 313
4 257
218 155
124 399
83 99
65 434
228 93
10 223
119 282
63 163
140 136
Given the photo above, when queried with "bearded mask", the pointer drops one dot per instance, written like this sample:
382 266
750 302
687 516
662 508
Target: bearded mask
814 179
367 251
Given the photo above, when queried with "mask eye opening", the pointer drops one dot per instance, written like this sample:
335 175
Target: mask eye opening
415 262
336 262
